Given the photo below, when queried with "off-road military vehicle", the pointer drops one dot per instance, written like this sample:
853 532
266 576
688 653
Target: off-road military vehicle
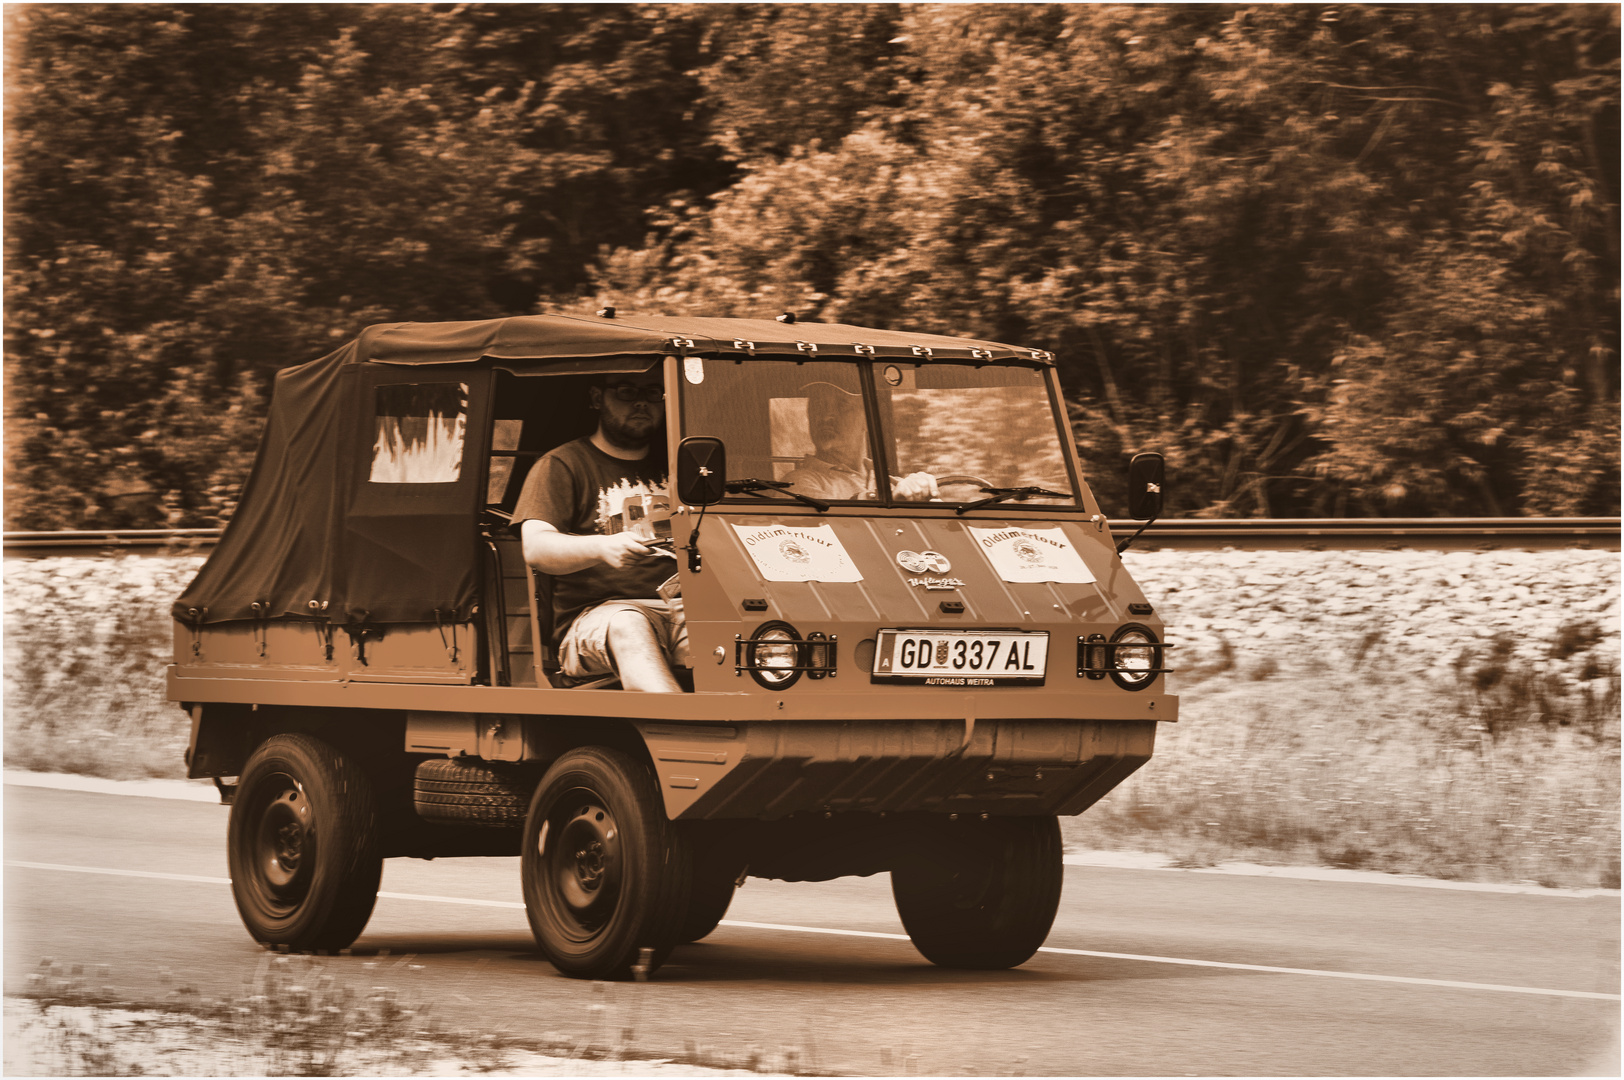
918 686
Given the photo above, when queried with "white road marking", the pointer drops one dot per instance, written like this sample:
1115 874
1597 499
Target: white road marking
812 929
1218 964
185 790
227 881
450 900
119 873
789 928
1340 974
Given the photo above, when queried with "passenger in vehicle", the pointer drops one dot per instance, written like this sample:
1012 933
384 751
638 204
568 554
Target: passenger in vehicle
840 466
608 614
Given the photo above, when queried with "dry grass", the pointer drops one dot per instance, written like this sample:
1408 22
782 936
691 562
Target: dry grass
295 1017
1500 773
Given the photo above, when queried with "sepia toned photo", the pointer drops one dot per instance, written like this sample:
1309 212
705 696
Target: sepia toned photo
802 539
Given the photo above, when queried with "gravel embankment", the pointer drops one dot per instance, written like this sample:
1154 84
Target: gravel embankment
1277 607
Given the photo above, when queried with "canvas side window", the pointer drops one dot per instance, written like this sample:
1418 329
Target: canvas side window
420 431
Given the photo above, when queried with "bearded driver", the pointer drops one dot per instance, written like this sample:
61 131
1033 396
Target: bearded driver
607 616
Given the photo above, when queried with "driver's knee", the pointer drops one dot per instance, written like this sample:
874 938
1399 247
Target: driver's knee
630 628
637 655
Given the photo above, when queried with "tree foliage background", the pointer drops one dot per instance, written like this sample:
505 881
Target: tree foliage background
1331 260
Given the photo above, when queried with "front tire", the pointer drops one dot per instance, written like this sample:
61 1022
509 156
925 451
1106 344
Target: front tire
981 894
303 845
605 875
717 865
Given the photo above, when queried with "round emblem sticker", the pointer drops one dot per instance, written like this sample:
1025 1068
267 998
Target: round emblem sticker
924 562
1027 551
893 375
794 552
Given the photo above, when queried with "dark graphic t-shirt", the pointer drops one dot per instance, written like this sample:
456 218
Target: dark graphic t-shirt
579 489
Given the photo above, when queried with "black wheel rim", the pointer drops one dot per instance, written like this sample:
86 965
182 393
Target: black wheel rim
583 864
282 841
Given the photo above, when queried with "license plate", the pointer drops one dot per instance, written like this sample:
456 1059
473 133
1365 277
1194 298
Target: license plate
960 657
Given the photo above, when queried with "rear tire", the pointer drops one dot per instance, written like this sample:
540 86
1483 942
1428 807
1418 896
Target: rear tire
981 894
605 875
303 845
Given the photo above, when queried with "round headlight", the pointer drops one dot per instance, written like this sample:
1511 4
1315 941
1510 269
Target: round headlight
1136 657
773 656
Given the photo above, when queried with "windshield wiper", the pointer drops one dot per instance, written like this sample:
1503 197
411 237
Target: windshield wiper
752 486
998 495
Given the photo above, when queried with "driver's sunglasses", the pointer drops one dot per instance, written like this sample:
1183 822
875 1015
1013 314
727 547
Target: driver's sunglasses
632 392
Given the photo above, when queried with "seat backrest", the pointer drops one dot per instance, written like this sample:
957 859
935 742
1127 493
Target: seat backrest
520 623
512 655
540 589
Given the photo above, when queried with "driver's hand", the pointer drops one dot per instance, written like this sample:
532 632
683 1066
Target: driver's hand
917 486
623 549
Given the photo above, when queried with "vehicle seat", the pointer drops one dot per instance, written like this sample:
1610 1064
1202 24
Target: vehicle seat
541 633
519 617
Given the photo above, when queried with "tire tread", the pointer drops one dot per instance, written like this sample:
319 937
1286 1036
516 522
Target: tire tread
662 902
346 817
1027 871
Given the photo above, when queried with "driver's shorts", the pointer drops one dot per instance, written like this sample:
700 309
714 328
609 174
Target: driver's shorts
584 650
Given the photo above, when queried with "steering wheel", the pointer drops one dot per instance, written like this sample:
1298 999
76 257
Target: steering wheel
961 478
494 521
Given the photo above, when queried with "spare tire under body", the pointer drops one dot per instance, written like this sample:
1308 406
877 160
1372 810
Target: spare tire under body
465 791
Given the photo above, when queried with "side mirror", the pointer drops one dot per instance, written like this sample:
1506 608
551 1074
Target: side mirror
1145 474
701 470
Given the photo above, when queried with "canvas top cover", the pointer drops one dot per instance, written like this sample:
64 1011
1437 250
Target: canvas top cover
316 536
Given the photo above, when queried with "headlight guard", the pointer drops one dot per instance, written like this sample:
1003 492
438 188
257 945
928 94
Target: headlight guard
1132 657
776 655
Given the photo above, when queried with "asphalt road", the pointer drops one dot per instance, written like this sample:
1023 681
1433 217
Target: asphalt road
1446 982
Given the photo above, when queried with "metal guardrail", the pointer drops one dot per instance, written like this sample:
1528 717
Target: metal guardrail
98 538
1305 534
1432 534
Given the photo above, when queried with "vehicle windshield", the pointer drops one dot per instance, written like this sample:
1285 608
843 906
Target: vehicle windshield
805 423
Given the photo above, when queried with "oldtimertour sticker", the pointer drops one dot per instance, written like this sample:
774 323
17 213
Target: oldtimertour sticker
1031 554
798 553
